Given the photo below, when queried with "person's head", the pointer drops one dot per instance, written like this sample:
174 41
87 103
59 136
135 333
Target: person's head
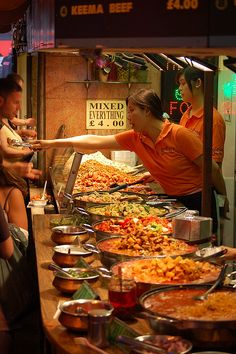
17 78
141 105
10 98
190 81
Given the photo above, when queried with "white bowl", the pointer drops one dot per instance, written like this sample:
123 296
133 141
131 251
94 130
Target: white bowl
39 202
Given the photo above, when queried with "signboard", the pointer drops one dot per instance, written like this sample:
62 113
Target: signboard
105 114
124 18
222 29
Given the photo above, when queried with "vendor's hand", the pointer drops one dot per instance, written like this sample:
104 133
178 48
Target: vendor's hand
37 145
146 178
230 255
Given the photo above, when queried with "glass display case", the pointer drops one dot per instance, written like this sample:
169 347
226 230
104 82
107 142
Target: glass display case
79 172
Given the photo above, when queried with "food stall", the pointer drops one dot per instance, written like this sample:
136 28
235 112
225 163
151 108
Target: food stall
65 76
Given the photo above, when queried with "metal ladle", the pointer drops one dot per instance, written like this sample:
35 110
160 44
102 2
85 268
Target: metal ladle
215 284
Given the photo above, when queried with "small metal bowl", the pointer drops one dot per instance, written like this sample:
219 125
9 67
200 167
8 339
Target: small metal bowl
70 285
74 314
169 343
69 255
65 235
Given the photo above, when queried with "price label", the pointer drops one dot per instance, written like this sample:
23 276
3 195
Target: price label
105 114
182 5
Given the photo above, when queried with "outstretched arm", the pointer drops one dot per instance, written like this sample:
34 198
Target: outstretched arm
83 142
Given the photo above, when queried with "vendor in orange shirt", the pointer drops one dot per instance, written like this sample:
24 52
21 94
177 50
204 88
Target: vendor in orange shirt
191 85
171 153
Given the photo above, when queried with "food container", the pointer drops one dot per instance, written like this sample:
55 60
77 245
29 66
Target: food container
69 285
150 272
87 199
38 203
192 228
68 220
69 255
123 209
172 344
110 254
203 332
65 235
74 313
147 226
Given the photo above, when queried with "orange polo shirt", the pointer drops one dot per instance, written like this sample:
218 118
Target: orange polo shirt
170 159
195 123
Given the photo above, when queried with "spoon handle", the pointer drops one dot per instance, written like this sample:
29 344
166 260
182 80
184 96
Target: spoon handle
218 280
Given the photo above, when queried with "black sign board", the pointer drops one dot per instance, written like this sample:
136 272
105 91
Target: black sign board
124 18
222 28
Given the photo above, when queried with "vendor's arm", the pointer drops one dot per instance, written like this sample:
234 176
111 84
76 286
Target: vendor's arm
230 255
83 142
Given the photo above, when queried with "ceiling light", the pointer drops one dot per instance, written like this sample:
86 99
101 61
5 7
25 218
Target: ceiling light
194 63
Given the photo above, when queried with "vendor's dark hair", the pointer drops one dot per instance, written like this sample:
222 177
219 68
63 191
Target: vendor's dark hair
190 73
147 99
7 86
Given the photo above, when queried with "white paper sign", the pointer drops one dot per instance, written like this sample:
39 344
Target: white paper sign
106 114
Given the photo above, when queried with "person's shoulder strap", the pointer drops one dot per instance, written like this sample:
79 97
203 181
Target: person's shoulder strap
7 197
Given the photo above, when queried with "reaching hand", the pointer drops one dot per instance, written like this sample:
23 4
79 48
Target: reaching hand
25 169
37 145
146 178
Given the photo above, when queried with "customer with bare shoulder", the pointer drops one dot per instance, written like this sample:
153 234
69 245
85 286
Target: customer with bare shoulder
6 244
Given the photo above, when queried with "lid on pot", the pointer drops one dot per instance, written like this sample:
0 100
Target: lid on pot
71 249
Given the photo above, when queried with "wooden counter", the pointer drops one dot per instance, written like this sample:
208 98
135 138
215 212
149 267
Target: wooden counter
60 339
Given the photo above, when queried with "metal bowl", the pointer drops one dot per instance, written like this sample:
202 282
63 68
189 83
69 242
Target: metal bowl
104 198
68 234
109 257
174 344
69 255
96 213
204 334
67 220
70 285
74 314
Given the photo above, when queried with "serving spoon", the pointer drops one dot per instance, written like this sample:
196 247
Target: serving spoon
214 285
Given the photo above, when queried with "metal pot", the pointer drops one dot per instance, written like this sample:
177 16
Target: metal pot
94 212
74 314
101 235
145 285
68 234
70 285
166 342
130 196
69 255
204 334
109 258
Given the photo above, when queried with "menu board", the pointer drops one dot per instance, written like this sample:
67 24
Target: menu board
124 18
